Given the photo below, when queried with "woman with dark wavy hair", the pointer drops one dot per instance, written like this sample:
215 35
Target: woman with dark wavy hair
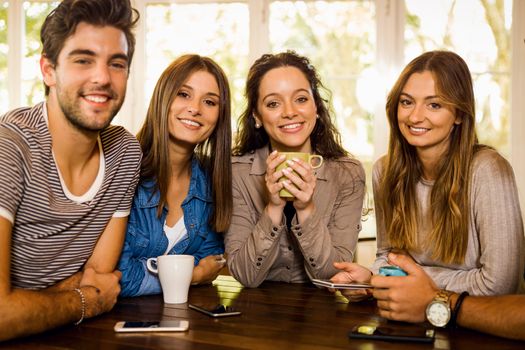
271 238
183 201
442 197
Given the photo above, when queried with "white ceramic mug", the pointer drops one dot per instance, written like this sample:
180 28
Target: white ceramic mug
175 272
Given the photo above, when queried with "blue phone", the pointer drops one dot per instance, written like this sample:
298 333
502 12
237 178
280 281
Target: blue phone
392 270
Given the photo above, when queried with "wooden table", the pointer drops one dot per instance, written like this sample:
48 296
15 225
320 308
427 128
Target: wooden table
274 316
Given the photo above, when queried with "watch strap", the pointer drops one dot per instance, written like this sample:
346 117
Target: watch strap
444 296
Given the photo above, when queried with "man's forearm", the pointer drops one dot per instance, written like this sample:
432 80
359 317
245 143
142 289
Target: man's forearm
67 284
25 312
499 315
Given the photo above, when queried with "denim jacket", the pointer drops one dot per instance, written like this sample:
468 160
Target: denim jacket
145 237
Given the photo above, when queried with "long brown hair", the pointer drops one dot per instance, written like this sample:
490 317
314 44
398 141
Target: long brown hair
325 138
214 154
449 199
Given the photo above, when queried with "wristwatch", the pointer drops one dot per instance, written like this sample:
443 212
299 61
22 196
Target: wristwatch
438 311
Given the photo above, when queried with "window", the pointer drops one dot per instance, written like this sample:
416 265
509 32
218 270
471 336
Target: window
32 85
219 31
469 27
339 39
3 57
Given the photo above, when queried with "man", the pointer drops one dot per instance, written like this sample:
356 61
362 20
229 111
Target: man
68 177
407 298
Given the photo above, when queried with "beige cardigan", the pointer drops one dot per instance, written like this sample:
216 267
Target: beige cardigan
258 251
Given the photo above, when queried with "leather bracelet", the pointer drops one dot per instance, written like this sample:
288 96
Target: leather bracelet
83 307
459 301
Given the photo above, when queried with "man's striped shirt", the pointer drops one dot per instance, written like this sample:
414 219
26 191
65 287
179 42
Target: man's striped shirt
55 232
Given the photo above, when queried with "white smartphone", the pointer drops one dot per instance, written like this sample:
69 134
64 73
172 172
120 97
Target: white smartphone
152 326
330 284
216 310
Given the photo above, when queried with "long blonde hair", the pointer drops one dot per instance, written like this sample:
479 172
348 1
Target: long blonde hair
449 199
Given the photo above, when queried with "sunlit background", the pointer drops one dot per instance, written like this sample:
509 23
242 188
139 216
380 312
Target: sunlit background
358 48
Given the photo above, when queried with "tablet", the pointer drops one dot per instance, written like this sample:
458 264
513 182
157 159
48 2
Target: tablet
330 284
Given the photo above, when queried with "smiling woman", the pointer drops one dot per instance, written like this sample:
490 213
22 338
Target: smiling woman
442 197
270 237
286 109
194 111
425 119
183 201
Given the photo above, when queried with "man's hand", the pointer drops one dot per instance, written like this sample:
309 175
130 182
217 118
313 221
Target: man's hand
404 298
102 295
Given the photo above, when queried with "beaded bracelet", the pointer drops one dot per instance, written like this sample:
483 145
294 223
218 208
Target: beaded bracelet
455 313
83 301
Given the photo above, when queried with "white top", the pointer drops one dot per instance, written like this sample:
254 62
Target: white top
175 234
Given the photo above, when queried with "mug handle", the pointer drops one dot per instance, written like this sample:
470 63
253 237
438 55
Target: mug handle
314 156
152 268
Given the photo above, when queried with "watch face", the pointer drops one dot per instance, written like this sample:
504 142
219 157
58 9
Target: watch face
438 313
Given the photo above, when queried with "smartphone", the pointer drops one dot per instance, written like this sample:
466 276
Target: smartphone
411 333
216 311
152 326
330 284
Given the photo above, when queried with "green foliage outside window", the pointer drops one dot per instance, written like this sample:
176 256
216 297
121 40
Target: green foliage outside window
32 86
479 31
339 39
219 31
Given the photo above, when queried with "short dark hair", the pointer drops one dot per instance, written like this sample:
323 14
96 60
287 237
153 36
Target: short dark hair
325 138
62 22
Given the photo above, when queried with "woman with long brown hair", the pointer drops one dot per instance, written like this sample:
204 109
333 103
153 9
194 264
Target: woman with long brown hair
183 201
294 240
442 197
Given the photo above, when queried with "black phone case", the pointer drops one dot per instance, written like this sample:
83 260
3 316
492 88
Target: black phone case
377 335
212 314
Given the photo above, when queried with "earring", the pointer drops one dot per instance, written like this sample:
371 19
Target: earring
257 125
317 116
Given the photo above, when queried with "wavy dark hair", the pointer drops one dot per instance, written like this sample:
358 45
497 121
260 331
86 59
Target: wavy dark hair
325 138
214 154
62 22
449 199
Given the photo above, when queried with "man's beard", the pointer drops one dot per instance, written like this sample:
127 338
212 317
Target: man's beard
73 113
